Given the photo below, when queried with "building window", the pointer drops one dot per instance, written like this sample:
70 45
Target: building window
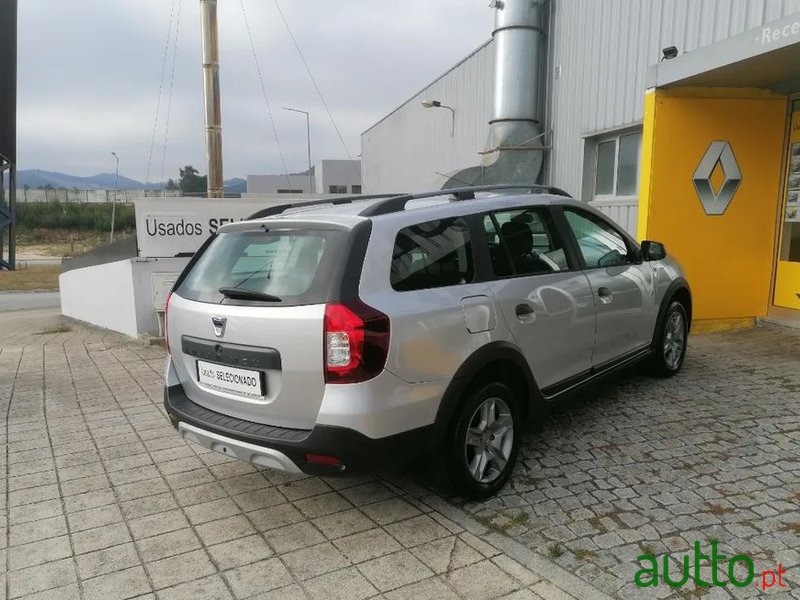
337 189
617 167
290 191
355 189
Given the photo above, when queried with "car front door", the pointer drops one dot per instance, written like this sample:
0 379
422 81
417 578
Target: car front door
543 296
621 283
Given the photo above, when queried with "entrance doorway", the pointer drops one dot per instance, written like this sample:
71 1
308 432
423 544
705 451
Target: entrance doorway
787 272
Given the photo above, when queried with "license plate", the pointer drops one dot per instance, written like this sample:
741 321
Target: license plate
231 379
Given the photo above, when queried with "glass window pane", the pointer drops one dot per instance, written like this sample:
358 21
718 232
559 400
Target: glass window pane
599 243
431 255
527 243
628 167
606 157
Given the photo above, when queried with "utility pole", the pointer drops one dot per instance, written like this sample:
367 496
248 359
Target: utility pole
210 32
308 139
114 201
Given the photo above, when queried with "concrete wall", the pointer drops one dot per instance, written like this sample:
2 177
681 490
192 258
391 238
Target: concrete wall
102 295
116 295
599 54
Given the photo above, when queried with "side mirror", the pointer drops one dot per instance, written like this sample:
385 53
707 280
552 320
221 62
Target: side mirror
653 251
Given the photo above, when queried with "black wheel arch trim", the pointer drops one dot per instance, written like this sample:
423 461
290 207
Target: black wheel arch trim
679 284
466 373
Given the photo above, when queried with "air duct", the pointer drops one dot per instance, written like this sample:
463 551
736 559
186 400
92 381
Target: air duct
514 149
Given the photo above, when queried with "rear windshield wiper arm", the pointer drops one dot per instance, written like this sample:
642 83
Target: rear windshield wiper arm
241 294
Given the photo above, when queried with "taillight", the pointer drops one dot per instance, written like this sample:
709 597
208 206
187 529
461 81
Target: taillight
166 322
356 342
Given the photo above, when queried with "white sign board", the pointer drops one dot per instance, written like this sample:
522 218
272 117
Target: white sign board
167 227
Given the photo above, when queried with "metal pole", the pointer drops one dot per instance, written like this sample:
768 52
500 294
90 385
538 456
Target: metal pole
308 138
210 32
114 200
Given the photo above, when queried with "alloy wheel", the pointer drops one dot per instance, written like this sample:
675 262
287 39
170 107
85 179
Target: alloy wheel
489 440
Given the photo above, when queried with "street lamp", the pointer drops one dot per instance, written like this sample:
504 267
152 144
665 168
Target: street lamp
437 104
308 136
114 201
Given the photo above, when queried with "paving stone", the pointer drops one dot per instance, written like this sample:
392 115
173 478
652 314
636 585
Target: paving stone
41 577
119 585
293 537
207 588
343 523
344 584
36 553
107 560
159 523
224 530
314 560
446 554
389 511
211 511
238 552
177 569
263 576
394 570
167 544
367 545
416 530
481 580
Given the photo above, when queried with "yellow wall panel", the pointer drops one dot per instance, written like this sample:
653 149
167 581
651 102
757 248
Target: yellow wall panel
728 258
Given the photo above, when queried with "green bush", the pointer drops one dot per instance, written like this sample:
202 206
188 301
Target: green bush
69 215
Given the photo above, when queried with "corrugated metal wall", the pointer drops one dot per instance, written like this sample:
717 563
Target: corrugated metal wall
402 152
600 51
603 49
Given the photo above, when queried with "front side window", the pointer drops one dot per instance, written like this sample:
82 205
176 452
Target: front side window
617 168
599 243
432 255
524 242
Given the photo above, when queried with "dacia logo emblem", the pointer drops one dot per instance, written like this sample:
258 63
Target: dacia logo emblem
219 325
716 202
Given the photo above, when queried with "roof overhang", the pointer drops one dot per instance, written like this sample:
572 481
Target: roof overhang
765 57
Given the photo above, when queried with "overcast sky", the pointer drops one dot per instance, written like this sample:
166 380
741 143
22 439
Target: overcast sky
89 77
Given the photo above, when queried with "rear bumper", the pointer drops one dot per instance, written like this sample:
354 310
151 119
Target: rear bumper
288 449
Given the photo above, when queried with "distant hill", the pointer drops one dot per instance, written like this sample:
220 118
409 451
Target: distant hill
35 178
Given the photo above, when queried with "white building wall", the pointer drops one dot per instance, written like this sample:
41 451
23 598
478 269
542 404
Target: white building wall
337 172
599 54
270 184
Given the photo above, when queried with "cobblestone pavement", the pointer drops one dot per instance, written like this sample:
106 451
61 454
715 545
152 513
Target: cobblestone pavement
104 501
651 466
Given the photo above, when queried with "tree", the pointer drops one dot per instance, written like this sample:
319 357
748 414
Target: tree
191 181
171 185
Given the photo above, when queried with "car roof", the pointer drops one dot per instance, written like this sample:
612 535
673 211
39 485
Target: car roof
349 215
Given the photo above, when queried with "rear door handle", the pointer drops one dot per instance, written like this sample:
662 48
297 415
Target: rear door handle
525 313
605 295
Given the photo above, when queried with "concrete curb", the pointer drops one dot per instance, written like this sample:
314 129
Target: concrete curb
40 291
544 568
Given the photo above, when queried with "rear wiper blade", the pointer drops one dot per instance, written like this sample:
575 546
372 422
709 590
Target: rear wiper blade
241 294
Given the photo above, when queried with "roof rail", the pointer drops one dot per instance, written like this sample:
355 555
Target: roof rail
398 203
281 208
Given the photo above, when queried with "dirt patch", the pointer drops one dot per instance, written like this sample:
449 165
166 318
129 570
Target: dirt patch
60 243
35 277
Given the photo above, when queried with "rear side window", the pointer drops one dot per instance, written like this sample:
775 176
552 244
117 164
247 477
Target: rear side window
432 255
295 266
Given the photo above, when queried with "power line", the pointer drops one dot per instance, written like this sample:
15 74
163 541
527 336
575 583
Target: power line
169 96
266 98
160 91
316 86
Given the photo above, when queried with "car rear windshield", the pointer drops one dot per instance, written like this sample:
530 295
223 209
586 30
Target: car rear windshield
292 266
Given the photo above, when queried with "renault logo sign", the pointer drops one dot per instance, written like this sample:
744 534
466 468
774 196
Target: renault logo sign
715 202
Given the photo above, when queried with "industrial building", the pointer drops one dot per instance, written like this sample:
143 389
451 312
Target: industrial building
327 177
677 118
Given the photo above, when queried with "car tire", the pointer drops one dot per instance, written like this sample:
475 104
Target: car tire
671 341
482 446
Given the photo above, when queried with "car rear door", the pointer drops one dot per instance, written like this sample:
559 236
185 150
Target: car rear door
621 284
543 295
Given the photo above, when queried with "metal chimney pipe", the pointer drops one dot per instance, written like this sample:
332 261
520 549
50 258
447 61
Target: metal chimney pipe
514 152
210 33
518 38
